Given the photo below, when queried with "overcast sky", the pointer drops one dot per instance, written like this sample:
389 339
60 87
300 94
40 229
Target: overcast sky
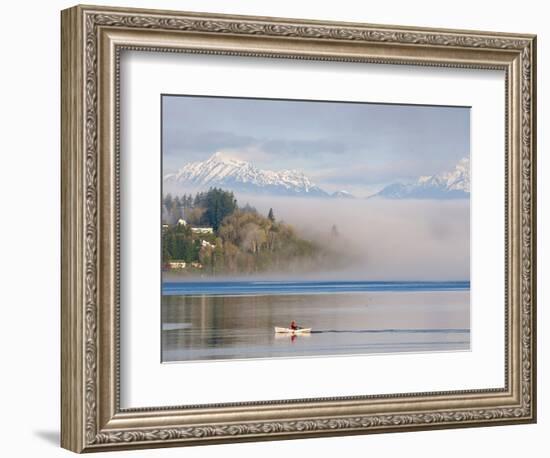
352 146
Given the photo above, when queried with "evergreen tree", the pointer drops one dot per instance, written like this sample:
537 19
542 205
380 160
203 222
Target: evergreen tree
219 204
248 209
271 216
199 198
168 201
174 213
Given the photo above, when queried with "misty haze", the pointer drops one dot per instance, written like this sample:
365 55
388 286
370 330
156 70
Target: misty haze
384 240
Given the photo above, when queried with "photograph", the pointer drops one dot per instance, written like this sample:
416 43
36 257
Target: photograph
304 228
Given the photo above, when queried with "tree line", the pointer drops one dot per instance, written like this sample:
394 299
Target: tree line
205 209
242 242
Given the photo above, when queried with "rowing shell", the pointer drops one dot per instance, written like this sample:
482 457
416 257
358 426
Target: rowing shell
292 331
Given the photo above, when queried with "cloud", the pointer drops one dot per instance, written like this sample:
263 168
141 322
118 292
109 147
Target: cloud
186 143
384 240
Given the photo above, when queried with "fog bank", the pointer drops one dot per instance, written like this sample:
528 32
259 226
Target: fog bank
381 239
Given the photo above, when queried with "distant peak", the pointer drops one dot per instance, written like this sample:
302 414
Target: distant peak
464 163
220 156
451 184
343 193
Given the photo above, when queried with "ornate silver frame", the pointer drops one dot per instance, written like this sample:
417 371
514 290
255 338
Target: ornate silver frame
92 39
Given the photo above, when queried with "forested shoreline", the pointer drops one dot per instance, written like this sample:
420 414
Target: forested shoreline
210 234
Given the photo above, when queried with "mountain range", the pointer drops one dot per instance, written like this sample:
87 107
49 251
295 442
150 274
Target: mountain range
454 184
221 170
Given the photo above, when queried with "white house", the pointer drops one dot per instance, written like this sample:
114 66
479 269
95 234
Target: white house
177 264
202 230
181 222
206 244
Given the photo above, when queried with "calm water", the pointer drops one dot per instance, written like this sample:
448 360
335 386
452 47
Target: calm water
228 320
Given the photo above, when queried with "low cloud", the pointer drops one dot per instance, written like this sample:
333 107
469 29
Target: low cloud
384 240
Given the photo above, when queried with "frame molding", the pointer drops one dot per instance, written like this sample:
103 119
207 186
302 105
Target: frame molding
92 39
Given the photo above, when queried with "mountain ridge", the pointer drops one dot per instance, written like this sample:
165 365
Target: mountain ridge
453 184
221 170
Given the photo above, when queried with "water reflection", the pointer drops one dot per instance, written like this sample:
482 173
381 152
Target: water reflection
210 327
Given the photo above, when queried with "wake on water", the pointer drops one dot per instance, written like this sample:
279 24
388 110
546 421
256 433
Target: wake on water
380 331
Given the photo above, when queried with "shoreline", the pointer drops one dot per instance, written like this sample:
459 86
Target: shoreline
318 293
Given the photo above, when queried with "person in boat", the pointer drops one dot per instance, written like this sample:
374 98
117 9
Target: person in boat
294 326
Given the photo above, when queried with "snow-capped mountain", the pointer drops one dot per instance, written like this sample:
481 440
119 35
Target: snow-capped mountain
454 184
342 195
223 171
